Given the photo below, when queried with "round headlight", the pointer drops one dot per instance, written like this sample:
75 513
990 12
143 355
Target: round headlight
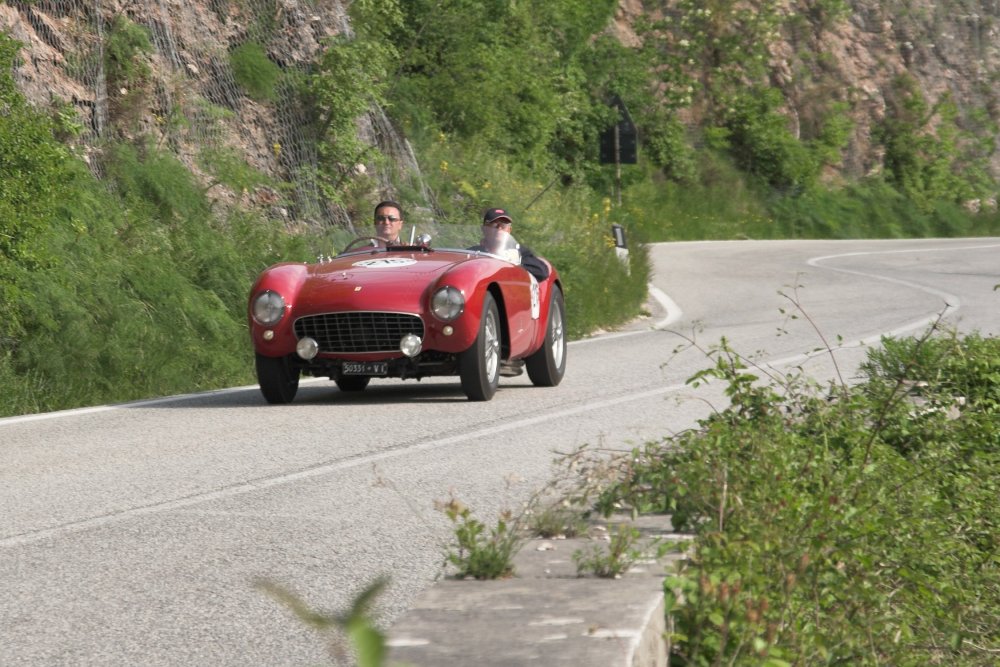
268 308
410 345
307 348
447 303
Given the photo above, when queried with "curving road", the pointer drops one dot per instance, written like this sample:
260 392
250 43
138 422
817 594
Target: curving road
132 534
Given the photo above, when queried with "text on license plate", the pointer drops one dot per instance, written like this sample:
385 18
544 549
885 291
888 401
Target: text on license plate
366 368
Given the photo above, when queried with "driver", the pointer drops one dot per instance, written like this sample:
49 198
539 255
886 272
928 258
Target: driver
388 222
498 241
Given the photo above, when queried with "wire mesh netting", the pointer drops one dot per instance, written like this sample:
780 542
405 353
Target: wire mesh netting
185 93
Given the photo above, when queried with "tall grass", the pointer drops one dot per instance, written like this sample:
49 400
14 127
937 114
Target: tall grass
140 291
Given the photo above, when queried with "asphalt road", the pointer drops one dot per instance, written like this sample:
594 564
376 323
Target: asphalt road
132 534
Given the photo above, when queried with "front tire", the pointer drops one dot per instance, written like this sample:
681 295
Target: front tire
278 379
352 382
547 366
479 366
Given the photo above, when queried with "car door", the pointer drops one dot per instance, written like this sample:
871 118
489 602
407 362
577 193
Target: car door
521 300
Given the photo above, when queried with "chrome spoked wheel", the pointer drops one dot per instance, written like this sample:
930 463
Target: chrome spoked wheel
558 336
547 366
479 366
491 346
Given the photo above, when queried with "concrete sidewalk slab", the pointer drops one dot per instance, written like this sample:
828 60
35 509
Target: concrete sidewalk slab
545 614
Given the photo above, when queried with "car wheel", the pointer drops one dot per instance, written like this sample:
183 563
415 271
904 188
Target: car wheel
547 366
278 378
352 382
479 366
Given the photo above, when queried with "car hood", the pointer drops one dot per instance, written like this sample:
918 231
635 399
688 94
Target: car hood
377 280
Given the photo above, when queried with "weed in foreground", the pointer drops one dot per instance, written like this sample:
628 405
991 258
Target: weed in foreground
480 553
613 562
557 521
351 633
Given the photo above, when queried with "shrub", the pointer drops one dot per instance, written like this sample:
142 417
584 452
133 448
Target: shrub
257 74
477 553
760 142
856 525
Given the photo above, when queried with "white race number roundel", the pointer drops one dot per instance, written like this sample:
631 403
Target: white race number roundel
536 301
385 263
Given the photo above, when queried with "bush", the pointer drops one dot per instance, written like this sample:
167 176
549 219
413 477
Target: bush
762 145
852 527
121 293
254 71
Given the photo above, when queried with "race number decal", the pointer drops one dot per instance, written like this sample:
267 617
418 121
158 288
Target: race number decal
536 301
385 263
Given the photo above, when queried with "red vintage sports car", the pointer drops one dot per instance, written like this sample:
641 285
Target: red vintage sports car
408 311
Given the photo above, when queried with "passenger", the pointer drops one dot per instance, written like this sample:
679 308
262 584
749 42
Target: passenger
497 239
388 222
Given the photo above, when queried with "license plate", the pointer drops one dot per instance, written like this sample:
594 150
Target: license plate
366 368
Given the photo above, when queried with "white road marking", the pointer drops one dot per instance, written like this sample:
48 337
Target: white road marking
251 486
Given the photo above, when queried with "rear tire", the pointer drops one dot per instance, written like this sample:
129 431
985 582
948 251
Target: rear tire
479 366
352 382
278 379
547 366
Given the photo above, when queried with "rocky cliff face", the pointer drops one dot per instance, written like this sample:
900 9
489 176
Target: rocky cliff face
184 93
950 47
190 99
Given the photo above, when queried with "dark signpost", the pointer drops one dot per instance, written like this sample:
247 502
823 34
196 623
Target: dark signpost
619 144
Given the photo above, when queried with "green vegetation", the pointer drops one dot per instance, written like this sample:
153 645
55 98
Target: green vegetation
127 71
254 71
622 551
556 520
121 293
477 553
352 635
840 525
126 50
353 77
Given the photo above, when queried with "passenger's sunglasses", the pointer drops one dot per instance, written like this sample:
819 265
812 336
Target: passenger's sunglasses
386 218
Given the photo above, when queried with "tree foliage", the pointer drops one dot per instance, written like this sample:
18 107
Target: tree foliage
353 76
922 155
505 73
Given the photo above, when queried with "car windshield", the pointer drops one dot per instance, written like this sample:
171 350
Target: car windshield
444 237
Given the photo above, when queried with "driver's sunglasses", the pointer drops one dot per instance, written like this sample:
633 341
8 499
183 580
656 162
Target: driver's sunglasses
386 218
498 224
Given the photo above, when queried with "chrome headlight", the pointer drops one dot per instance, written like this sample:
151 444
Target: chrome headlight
410 345
307 348
447 303
268 308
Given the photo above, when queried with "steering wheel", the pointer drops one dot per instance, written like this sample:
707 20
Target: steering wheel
373 240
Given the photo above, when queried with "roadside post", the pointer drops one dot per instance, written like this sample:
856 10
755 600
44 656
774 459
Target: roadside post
621 246
618 145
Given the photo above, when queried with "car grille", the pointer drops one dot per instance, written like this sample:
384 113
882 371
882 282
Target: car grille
359 332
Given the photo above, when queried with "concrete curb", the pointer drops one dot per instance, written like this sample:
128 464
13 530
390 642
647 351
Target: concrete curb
546 614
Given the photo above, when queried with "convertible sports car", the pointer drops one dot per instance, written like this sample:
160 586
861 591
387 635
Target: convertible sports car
407 311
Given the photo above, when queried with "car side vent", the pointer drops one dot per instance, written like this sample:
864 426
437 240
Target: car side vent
339 333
